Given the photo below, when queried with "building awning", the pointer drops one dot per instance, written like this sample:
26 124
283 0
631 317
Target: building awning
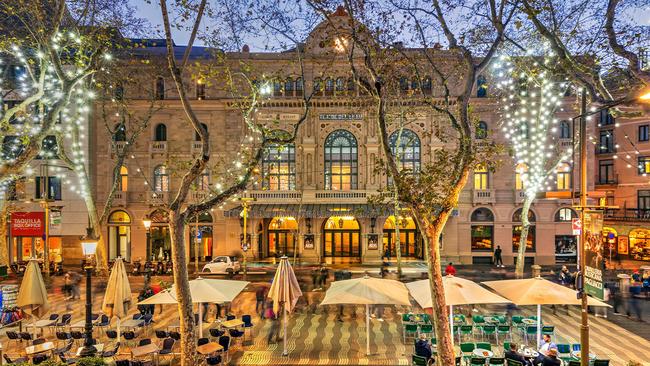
268 211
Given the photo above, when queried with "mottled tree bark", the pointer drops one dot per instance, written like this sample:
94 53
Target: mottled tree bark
525 226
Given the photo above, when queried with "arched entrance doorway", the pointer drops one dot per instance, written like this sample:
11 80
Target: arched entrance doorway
282 236
161 247
341 237
410 240
204 240
119 235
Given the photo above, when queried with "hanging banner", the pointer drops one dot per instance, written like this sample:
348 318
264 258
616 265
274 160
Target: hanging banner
594 261
55 222
27 224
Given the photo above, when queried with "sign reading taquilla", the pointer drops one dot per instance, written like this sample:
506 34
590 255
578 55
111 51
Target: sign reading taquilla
340 116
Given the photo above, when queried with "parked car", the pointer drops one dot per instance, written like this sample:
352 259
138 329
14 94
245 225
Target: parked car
223 264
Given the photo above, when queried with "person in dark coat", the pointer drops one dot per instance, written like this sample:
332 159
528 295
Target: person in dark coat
512 354
423 347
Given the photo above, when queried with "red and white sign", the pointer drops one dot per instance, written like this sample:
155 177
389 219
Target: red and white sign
27 224
576 226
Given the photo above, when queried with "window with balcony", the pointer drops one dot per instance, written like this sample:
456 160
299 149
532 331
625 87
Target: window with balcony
481 176
565 214
160 179
481 130
123 179
160 133
120 133
520 173
197 136
565 130
279 168
160 88
481 87
606 142
408 152
341 161
606 171
606 118
644 133
563 177
53 190
644 165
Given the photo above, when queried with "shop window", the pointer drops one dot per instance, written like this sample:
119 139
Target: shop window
566 248
53 191
341 161
565 214
530 238
640 244
482 234
481 176
644 165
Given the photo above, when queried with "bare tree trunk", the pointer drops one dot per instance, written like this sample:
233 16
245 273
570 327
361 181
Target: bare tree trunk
525 226
398 241
183 296
96 226
4 225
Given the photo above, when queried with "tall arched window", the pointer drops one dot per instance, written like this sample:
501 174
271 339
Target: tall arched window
481 175
404 84
565 130
408 153
481 130
277 88
120 132
341 161
160 132
123 179
516 231
160 179
329 86
279 167
300 87
351 86
288 87
160 88
119 235
481 86
318 86
482 234
197 137
340 85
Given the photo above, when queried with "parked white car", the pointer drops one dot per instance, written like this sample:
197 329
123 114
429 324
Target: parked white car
223 264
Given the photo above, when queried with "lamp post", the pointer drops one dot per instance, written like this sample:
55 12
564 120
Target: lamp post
584 325
147 225
89 248
245 202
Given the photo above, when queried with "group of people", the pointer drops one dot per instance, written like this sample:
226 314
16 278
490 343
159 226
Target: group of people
319 277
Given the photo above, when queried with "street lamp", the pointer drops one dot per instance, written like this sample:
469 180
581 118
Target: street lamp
89 247
147 225
644 97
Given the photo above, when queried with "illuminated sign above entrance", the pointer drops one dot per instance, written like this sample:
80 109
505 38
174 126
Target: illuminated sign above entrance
340 116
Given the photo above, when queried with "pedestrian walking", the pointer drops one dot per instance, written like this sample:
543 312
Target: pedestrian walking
616 295
450 270
498 261
324 273
260 300
67 286
75 280
315 277
633 301
274 331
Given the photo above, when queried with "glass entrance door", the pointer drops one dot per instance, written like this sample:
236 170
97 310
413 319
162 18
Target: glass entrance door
281 242
410 244
342 244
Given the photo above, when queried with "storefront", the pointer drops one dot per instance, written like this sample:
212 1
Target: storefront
119 235
203 239
410 240
341 237
482 230
28 235
639 244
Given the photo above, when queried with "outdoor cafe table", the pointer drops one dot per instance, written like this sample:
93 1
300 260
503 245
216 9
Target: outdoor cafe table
132 323
99 347
82 323
491 319
480 352
529 322
147 349
234 323
44 323
529 353
577 355
39 348
209 348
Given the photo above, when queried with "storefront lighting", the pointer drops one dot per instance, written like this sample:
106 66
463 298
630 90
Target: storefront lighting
147 223
89 247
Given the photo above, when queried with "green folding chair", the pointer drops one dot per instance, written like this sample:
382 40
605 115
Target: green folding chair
548 329
489 330
484 345
426 329
406 317
418 360
601 362
564 352
502 319
530 331
478 319
410 330
514 363
503 330
477 361
465 330
426 318
466 349
497 361
506 346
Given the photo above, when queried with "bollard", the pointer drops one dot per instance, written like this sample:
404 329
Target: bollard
537 270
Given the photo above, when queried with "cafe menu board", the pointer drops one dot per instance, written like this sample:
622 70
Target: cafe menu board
594 260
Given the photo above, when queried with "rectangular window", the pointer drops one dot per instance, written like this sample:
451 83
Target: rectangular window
606 142
606 172
563 181
53 189
481 178
606 119
519 184
644 165
530 238
482 238
279 168
643 133
643 200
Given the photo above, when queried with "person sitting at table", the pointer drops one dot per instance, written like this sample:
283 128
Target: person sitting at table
545 349
423 348
512 354
551 358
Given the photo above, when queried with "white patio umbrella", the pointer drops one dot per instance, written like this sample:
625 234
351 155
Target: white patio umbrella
458 291
117 298
32 295
286 290
538 291
202 290
367 291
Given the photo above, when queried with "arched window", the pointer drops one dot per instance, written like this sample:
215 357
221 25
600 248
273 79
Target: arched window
415 84
482 234
516 231
160 179
516 217
318 86
120 132
340 85
329 86
408 153
300 87
341 161
520 176
481 175
481 86
279 167
160 88
288 87
481 130
277 88
565 214
563 177
123 179
197 137
426 85
161 132
119 235
565 130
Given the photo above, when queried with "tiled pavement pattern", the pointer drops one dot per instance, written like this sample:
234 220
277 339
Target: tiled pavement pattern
318 339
